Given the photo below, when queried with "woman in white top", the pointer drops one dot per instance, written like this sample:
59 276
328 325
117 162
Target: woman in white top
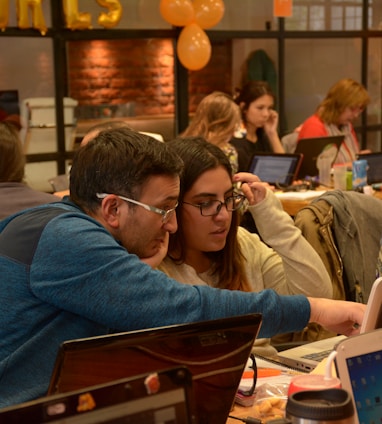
210 248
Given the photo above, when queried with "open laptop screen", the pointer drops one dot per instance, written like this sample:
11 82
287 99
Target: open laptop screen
215 352
278 169
365 374
374 166
359 367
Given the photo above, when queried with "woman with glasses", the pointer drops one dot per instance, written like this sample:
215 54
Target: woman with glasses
210 248
342 105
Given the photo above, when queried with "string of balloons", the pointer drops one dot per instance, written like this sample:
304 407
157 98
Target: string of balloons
193 47
195 16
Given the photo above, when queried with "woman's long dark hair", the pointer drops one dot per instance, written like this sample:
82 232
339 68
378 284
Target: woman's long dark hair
200 156
250 92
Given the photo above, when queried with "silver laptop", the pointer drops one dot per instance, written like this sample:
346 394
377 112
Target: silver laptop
307 356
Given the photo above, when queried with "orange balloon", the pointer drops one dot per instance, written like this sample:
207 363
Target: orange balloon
193 47
74 18
208 13
4 14
38 20
177 12
110 19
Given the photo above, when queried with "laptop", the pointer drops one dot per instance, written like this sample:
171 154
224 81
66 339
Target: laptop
374 166
311 148
153 398
359 366
215 352
277 169
307 356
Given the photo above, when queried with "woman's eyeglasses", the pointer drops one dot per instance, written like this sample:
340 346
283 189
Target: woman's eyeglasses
213 207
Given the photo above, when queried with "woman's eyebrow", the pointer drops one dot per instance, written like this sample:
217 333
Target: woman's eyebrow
206 194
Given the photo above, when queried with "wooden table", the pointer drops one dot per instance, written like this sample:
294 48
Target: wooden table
292 206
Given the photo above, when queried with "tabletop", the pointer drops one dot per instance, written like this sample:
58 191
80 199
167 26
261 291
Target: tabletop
298 200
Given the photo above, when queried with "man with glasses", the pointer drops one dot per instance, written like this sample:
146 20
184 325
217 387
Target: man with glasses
74 269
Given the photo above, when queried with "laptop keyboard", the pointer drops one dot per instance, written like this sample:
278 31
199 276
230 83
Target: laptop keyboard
318 356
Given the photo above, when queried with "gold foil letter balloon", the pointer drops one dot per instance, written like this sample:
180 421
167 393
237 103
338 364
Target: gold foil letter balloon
111 18
75 19
4 14
38 21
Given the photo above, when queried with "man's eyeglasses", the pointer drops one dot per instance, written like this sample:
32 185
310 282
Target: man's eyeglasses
165 214
213 207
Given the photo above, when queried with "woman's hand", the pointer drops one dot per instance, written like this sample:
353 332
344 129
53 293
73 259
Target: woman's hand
251 186
271 125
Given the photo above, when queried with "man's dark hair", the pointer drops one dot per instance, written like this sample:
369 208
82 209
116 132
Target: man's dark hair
118 161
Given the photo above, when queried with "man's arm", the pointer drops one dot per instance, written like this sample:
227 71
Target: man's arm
339 316
89 274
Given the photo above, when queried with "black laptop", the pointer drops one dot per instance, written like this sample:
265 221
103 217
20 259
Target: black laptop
311 148
215 352
152 398
277 169
374 166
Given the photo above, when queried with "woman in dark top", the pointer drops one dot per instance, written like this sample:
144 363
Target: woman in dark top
260 121
15 195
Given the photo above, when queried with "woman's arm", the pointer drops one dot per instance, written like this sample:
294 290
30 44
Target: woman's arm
302 270
270 128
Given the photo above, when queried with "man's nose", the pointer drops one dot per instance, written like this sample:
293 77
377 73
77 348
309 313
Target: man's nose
171 225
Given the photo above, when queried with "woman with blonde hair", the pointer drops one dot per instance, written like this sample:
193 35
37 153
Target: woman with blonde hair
335 115
216 119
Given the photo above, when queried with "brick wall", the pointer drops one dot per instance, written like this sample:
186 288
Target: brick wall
140 71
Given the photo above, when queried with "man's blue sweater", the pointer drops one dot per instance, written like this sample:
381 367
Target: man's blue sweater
63 277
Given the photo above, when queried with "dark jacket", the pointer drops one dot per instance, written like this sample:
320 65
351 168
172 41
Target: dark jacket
347 237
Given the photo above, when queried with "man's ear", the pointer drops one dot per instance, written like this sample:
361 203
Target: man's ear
111 211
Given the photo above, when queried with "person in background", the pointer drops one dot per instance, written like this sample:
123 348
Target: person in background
210 248
335 115
76 268
93 132
260 122
15 194
216 119
97 128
